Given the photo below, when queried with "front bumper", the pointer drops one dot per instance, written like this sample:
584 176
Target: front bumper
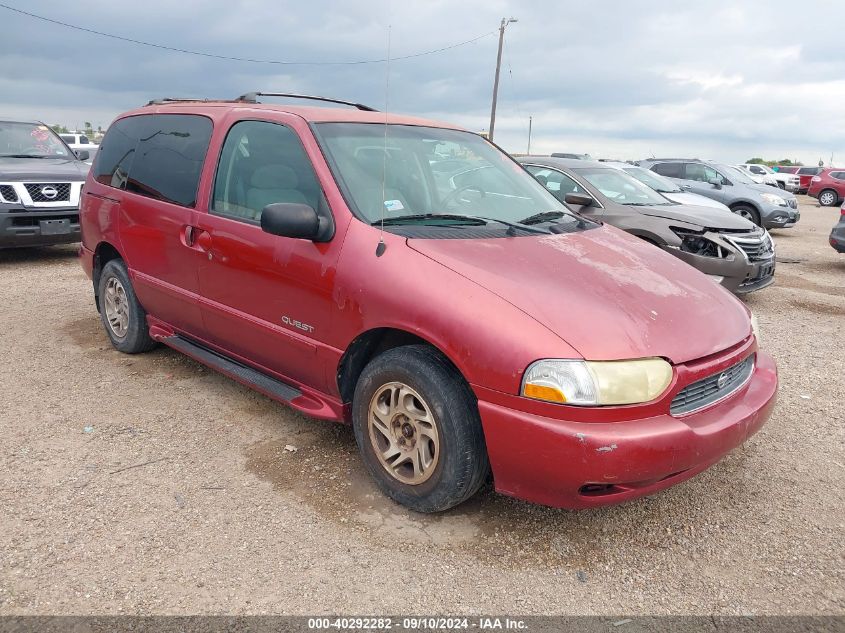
778 217
20 227
736 272
576 464
837 237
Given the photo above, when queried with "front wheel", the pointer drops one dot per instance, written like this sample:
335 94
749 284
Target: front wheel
124 320
418 430
748 213
781 185
828 198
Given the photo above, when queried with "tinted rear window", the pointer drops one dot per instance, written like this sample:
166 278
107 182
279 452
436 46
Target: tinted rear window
159 156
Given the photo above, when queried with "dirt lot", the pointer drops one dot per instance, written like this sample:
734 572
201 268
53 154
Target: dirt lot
149 484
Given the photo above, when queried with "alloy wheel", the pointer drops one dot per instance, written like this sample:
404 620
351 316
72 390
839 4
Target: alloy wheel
116 305
403 433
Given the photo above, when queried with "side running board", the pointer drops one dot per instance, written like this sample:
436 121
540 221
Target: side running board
247 375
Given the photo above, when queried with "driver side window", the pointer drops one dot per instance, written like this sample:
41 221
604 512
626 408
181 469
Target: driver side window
558 183
702 173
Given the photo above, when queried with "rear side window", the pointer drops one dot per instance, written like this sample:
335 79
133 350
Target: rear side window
262 163
839 175
671 170
159 156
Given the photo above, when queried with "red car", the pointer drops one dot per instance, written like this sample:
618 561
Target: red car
462 326
828 187
805 175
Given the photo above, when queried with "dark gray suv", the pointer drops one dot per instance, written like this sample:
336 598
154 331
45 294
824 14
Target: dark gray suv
40 183
764 205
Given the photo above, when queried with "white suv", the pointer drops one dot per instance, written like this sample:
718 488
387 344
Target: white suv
765 175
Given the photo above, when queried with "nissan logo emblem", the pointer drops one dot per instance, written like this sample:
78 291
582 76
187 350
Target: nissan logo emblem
49 192
722 380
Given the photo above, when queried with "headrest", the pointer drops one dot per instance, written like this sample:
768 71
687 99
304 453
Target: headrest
274 177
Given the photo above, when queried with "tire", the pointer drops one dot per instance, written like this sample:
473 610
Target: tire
436 457
123 318
828 198
749 213
781 185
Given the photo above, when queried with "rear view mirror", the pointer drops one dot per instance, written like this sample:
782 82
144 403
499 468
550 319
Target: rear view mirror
82 154
288 219
579 199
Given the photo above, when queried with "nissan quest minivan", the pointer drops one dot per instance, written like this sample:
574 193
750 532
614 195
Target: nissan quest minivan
325 257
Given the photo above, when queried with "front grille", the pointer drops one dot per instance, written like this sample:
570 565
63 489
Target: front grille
793 203
757 249
8 194
36 191
707 390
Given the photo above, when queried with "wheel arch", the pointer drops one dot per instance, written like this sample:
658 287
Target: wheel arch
103 254
370 344
747 203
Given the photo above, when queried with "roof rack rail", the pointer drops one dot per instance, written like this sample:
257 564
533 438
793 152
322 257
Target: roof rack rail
252 97
166 100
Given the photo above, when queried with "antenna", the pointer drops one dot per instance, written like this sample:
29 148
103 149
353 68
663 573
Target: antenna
381 245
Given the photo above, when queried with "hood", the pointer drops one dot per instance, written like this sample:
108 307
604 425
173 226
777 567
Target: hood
42 169
708 217
685 197
607 294
769 189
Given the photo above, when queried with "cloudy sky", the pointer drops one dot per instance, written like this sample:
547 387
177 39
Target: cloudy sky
614 78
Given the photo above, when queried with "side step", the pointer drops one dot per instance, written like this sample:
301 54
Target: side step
247 375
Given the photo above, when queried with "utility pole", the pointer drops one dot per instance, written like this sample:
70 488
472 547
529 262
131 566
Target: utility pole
530 121
505 22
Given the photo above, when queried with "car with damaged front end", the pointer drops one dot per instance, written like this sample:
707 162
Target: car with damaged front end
729 249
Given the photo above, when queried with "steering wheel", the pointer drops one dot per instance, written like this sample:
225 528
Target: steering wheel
450 198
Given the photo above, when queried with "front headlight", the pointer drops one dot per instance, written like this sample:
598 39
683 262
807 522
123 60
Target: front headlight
595 383
773 199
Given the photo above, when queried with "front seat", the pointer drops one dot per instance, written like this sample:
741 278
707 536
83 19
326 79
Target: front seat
270 184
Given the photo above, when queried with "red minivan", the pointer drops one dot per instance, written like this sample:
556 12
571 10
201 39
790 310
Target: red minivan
410 278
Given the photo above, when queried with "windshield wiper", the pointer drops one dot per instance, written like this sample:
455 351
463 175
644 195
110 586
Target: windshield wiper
544 216
23 156
474 219
422 217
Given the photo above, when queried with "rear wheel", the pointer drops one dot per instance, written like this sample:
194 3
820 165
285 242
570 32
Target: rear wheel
124 320
418 430
828 198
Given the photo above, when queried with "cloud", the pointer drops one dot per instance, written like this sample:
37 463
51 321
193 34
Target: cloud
616 78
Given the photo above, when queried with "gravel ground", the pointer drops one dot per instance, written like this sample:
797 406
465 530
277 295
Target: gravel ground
150 484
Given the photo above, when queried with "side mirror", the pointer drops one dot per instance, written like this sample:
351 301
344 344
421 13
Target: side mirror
82 154
579 199
717 184
288 219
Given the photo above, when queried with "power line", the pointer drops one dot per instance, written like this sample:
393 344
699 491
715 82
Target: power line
239 59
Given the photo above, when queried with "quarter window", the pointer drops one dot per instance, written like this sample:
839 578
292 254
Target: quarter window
262 163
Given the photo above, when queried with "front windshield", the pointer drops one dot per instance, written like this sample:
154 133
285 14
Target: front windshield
653 180
30 140
618 186
736 174
419 173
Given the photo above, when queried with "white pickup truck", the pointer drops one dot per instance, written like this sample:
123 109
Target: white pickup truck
78 141
766 175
